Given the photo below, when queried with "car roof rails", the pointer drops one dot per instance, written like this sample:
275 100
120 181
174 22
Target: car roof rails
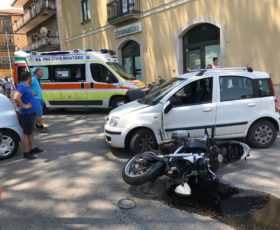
202 71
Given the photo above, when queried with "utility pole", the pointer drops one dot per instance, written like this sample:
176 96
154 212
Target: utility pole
8 48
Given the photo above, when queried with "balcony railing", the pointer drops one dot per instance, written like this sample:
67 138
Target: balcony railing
8 30
120 11
44 43
5 48
34 10
5 62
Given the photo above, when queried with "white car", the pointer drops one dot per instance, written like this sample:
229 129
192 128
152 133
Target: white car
238 102
10 129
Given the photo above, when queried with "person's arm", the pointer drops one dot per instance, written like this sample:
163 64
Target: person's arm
17 98
33 87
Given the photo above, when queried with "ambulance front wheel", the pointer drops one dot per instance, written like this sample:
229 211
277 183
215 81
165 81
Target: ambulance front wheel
118 101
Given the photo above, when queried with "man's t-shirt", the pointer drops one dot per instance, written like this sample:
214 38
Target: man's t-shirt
26 98
7 84
36 87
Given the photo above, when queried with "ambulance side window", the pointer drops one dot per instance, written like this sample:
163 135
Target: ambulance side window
69 73
45 69
101 74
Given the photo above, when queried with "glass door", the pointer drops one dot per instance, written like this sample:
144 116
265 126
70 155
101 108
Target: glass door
210 52
193 57
138 71
124 6
132 59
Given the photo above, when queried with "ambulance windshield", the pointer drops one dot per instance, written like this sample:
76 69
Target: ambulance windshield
121 71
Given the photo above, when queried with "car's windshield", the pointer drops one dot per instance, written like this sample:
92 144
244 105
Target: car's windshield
155 96
121 71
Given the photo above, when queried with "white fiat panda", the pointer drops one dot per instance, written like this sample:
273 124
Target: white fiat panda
238 102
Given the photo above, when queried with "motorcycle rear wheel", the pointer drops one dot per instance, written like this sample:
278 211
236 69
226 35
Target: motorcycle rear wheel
139 170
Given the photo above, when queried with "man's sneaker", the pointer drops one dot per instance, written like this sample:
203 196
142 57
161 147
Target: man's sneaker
29 156
43 130
36 150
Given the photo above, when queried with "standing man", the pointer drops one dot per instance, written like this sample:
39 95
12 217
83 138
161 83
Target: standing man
8 87
37 92
27 115
215 63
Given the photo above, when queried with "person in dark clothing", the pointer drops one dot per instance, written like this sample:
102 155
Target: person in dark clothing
27 115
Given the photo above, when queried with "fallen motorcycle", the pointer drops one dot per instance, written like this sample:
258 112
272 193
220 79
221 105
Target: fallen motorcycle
187 161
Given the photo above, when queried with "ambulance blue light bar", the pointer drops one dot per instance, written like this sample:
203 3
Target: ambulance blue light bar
106 51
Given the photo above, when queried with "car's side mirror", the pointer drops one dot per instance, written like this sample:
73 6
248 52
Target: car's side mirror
167 107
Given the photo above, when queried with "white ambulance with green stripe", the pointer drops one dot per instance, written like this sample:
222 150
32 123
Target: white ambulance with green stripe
80 79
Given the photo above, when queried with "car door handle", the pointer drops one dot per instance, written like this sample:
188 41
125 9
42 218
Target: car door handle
252 104
207 109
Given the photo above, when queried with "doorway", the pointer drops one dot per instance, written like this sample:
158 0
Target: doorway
132 59
200 45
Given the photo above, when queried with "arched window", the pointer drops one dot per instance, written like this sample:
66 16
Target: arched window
200 45
132 59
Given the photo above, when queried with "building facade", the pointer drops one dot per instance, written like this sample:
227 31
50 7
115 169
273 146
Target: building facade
9 42
38 23
165 37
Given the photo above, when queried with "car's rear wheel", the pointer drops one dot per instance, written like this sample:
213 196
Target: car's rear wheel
262 134
8 145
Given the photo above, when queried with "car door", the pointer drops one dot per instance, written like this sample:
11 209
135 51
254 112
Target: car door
236 106
193 108
105 85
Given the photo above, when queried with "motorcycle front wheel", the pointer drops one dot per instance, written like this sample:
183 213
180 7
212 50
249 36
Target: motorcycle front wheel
139 170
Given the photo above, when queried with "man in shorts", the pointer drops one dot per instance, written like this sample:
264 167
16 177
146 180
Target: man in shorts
27 115
37 92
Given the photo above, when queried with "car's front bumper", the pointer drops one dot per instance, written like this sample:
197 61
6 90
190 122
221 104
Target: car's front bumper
114 136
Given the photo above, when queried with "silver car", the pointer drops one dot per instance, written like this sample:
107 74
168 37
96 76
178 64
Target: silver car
10 129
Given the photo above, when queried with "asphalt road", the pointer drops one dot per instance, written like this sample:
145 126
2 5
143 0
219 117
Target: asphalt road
76 183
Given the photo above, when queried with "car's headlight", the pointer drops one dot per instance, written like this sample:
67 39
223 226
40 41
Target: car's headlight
130 84
114 121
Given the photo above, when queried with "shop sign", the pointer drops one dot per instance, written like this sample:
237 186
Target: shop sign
127 30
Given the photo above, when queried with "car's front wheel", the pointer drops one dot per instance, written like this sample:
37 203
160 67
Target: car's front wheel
118 101
262 134
8 144
143 140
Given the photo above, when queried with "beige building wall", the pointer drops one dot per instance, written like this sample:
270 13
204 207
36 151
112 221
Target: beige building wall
249 32
20 40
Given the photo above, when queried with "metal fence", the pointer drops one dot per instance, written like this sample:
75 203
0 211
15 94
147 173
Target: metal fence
118 8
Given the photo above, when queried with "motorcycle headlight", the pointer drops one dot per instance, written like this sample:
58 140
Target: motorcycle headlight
114 121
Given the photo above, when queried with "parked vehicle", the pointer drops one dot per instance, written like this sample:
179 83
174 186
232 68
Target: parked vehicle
191 161
2 86
81 79
239 102
10 128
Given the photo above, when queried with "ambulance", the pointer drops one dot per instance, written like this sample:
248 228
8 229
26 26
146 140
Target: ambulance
80 79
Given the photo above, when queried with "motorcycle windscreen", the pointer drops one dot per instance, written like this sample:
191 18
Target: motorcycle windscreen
231 151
